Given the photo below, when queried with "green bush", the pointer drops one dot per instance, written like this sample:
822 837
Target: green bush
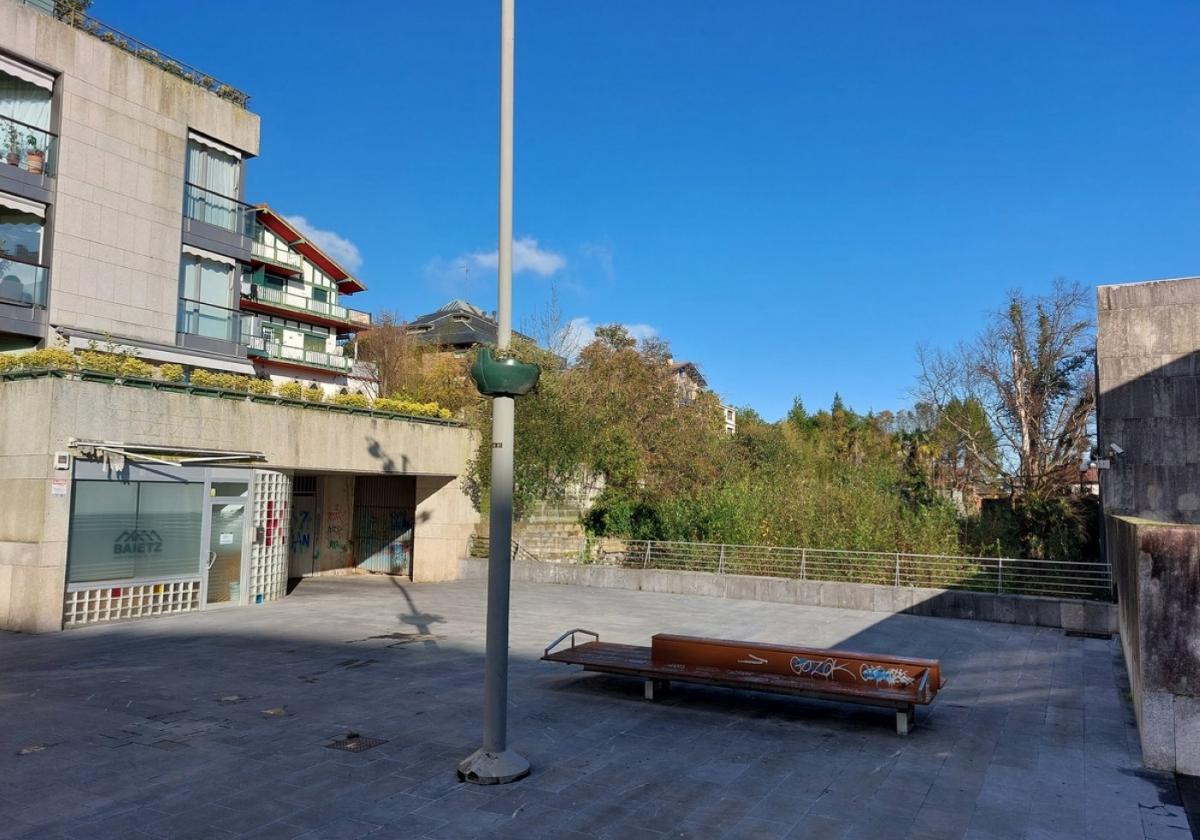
291 391
102 362
135 367
261 387
51 358
314 394
353 400
171 372
397 405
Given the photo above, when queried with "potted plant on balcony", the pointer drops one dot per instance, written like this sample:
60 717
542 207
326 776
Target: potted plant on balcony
14 146
35 158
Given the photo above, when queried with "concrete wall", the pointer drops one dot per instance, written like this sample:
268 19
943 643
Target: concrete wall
118 207
1083 616
1157 567
1148 362
444 522
39 417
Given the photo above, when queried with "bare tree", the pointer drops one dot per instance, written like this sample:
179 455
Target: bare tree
1031 372
396 354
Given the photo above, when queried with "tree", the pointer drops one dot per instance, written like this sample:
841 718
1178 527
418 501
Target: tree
1031 375
396 354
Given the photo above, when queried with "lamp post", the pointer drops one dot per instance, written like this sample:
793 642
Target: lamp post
494 763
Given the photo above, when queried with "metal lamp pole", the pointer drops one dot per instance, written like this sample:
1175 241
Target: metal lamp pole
494 763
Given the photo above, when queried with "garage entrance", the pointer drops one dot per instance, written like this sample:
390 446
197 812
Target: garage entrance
384 516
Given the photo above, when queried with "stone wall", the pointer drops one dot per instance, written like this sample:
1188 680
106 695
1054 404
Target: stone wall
1157 568
1148 362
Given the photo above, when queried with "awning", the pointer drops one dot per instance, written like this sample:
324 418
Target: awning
26 73
183 455
215 144
209 255
22 205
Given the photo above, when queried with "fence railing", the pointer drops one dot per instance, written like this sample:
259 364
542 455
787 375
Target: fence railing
998 575
26 146
73 15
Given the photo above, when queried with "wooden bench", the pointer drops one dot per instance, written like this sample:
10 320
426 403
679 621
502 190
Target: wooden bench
900 683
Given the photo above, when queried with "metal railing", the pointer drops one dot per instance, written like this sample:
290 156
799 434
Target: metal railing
26 146
285 353
21 283
275 254
303 303
71 15
998 575
204 205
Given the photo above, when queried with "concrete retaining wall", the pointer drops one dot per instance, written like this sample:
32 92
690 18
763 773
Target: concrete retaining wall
1158 579
1083 616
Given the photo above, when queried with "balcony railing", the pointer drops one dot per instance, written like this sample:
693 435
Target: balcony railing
26 146
73 15
208 321
274 254
22 284
303 303
220 210
316 358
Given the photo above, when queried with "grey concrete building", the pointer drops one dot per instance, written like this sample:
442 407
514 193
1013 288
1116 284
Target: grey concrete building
124 227
1148 425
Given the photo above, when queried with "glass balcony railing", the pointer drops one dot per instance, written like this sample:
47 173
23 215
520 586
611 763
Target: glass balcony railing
27 147
220 210
275 254
208 321
303 303
22 284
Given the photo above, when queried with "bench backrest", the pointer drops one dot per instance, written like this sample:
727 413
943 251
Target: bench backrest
839 670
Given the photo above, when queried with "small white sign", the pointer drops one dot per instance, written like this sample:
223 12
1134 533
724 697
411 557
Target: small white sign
227 538
59 487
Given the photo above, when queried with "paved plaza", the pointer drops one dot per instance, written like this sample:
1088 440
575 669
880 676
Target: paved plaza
217 725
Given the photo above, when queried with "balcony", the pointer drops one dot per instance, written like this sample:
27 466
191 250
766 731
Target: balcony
294 302
218 210
308 358
22 284
273 255
27 147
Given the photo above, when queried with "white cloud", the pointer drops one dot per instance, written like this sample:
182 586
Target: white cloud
527 256
332 243
580 332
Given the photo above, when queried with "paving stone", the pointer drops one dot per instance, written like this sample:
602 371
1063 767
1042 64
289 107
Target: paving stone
1033 737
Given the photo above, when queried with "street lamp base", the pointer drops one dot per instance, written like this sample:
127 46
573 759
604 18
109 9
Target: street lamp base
489 768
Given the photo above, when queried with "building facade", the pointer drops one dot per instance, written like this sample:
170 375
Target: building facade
690 384
125 235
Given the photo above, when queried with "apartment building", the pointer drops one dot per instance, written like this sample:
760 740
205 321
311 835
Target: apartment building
125 227
690 384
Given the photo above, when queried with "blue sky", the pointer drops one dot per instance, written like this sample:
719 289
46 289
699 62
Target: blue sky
793 194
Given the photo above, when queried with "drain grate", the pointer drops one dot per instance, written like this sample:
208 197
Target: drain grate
356 743
1084 634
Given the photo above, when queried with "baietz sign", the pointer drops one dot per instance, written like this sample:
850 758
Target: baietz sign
138 541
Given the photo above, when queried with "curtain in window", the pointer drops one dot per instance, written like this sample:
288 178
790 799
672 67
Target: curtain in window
208 299
217 174
26 102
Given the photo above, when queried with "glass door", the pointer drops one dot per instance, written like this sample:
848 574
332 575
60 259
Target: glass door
226 564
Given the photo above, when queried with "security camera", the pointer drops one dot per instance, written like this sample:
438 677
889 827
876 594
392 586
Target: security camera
1115 450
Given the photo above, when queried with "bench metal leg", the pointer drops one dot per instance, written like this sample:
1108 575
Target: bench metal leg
652 686
905 720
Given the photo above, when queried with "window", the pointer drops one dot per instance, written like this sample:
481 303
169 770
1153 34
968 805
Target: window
22 278
24 111
320 295
136 529
206 298
214 177
314 343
